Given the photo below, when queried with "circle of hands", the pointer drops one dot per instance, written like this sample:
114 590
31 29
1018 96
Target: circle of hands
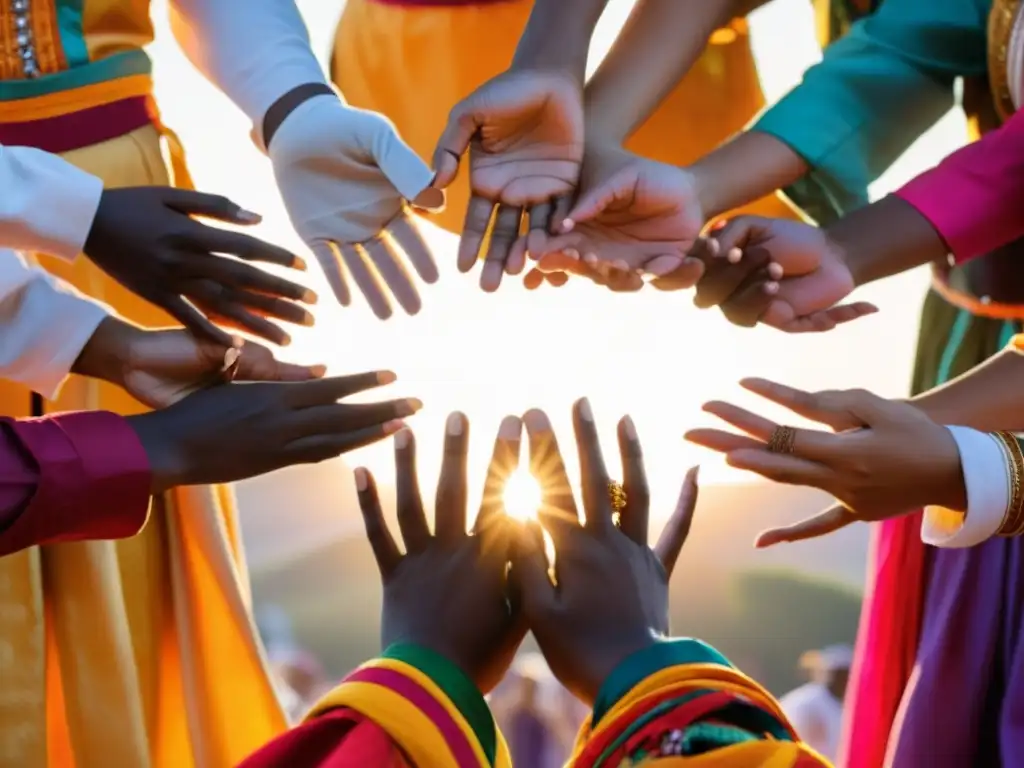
543 196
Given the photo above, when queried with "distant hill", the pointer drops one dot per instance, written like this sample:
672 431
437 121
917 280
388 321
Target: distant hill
308 556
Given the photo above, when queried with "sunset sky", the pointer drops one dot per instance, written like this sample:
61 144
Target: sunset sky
652 355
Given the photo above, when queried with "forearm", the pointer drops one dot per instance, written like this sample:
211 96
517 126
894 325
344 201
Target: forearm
885 238
988 398
657 46
254 55
745 169
557 36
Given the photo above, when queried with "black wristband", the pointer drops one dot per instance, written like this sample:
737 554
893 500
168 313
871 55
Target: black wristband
285 105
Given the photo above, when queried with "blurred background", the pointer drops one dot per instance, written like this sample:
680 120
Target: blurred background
652 355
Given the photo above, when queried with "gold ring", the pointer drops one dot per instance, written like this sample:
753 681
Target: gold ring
782 440
617 496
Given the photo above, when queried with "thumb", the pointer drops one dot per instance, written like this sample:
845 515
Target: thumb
593 202
530 566
405 170
218 207
737 233
257 363
823 523
458 133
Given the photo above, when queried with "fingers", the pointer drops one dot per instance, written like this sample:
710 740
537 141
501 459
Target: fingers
213 240
385 551
410 240
751 300
393 273
341 418
412 520
783 468
597 508
452 145
723 277
236 274
505 232
595 201
819 525
189 201
257 363
329 258
450 503
634 517
685 275
230 308
478 219
367 282
195 321
722 441
673 537
403 167
504 462
334 388
811 444
315 448
530 565
558 507
816 322
841 410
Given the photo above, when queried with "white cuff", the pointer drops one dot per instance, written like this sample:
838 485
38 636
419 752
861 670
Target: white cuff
48 205
987 480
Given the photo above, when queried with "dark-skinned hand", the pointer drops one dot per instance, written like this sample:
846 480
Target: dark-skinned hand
449 591
610 593
146 239
234 431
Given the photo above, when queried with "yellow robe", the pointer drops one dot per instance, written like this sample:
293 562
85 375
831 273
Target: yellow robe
139 653
414 63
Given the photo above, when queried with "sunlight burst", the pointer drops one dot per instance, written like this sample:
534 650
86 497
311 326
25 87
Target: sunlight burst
522 496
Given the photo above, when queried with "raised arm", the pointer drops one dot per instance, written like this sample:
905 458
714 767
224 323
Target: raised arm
659 43
557 36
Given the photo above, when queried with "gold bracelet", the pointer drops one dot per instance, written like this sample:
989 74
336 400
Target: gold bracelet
1013 522
1008 461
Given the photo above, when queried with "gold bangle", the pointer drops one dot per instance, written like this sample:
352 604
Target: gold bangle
1004 451
1013 522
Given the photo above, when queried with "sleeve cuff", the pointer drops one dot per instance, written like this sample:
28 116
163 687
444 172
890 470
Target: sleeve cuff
987 480
49 204
94 479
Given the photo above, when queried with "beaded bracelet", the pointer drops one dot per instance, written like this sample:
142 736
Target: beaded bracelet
1013 521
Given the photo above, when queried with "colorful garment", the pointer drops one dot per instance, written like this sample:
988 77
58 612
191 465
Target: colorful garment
938 624
139 652
413 60
679 703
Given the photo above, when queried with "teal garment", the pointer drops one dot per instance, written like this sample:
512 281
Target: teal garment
874 93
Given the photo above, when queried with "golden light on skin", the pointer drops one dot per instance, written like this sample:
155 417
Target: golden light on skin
522 496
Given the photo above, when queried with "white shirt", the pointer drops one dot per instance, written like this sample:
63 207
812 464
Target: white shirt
48 206
816 715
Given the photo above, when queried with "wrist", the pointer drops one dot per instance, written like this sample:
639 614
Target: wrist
168 467
106 355
284 106
565 51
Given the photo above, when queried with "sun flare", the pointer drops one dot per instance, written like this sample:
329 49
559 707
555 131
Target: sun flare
522 496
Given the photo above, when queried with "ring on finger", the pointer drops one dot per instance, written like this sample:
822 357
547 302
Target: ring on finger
782 440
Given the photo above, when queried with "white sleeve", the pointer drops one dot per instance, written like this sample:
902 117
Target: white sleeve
44 325
254 51
47 204
987 480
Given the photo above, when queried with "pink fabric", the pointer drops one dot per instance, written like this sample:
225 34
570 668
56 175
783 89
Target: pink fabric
70 477
887 638
975 197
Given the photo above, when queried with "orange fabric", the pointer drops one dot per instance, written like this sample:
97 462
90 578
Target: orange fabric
414 63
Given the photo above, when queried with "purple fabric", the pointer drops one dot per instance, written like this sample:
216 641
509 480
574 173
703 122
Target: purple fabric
528 739
964 705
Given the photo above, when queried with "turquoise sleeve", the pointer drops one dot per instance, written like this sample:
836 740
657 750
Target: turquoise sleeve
874 93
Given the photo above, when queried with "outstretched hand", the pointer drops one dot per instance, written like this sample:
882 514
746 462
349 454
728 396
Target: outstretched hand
449 591
886 458
349 184
524 134
610 593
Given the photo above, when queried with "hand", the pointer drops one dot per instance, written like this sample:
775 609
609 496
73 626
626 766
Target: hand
146 239
890 459
611 598
633 214
159 368
347 180
231 432
524 134
785 274
449 592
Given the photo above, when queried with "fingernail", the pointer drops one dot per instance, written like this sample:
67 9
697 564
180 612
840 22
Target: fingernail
693 472
511 428
248 217
572 253
410 406
714 248
536 421
309 297
734 255
720 224
386 377
318 371
307 319
285 341
454 424
231 355
585 411
402 439
362 481
629 428
621 265
393 426
775 271
771 288
567 225
299 264
590 259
